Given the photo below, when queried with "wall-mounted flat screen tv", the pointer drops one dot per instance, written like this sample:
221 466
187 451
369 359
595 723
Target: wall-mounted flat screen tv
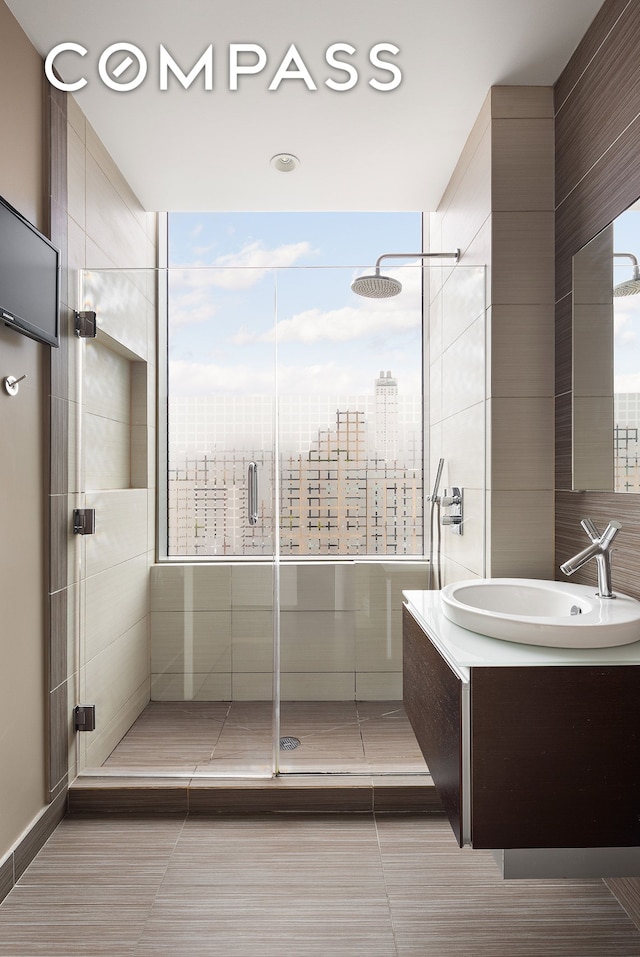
29 278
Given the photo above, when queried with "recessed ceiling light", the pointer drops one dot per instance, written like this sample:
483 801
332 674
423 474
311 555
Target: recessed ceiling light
285 162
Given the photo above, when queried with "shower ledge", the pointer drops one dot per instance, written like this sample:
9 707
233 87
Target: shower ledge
303 793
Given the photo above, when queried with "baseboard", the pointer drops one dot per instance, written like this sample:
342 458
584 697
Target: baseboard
30 843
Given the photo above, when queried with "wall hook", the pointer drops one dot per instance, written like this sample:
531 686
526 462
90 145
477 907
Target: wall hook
11 384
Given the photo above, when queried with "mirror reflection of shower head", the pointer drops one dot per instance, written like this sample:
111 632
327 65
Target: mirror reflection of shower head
375 286
631 287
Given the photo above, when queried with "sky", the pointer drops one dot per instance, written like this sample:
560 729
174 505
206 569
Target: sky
243 285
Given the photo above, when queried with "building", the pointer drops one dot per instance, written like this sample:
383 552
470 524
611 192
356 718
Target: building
547 164
351 489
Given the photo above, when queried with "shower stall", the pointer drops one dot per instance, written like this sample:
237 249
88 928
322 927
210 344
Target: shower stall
258 514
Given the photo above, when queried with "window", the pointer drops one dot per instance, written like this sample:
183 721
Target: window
273 360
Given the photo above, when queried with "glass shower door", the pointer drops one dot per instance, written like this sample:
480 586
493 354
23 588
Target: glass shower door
222 508
350 441
178 654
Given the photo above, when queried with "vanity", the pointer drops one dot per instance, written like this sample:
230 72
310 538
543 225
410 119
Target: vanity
534 751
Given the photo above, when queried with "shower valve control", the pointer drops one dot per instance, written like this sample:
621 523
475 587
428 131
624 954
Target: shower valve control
453 503
84 521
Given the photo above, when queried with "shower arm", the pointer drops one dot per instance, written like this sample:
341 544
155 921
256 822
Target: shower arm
636 268
626 256
455 256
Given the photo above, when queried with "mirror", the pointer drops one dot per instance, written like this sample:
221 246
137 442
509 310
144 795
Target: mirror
606 359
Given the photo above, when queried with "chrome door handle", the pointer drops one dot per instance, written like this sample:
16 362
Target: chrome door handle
252 496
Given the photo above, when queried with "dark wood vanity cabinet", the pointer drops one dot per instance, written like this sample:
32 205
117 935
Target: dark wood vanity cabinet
552 753
432 695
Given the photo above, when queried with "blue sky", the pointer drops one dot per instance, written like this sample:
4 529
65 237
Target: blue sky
231 273
627 308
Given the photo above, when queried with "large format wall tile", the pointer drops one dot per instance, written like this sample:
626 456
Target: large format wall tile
199 641
317 686
321 641
522 257
522 530
121 528
197 587
107 453
117 682
116 599
111 223
521 443
523 163
252 635
519 362
106 382
463 440
463 370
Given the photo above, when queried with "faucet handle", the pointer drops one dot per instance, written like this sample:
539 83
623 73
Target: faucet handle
610 533
591 529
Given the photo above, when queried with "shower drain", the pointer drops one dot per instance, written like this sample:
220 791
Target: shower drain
288 743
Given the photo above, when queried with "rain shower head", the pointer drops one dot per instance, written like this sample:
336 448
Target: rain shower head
631 287
375 286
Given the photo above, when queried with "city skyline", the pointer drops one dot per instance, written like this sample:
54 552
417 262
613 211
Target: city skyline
354 488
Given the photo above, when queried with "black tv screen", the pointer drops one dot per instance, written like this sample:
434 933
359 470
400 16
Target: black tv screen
29 277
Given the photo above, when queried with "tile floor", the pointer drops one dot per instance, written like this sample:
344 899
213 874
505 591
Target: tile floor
300 885
220 737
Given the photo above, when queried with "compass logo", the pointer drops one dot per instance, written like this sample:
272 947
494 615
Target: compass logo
124 67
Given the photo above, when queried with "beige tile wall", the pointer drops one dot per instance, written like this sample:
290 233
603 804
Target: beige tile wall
112 252
492 364
340 627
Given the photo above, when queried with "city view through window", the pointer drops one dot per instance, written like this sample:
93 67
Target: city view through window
273 360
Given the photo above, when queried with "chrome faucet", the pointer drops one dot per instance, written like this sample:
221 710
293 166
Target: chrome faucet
600 549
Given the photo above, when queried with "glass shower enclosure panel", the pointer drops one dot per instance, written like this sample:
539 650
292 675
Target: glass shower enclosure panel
178 655
258 629
350 443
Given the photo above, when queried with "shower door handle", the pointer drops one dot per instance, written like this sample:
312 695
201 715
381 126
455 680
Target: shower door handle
252 496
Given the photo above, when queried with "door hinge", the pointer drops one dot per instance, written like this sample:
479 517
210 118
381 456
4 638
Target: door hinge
85 325
84 521
84 717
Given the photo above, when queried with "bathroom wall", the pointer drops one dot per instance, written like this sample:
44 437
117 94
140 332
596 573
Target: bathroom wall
111 243
340 623
597 117
491 373
597 104
23 433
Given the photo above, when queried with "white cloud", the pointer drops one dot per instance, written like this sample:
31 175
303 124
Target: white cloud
345 324
625 325
629 382
336 378
190 378
191 307
369 317
193 378
238 270
192 294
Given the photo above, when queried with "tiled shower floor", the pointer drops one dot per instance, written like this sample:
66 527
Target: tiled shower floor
217 737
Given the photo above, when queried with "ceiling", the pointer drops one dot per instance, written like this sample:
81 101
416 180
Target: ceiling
360 148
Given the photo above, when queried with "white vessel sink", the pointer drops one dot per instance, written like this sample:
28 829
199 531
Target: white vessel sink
536 612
